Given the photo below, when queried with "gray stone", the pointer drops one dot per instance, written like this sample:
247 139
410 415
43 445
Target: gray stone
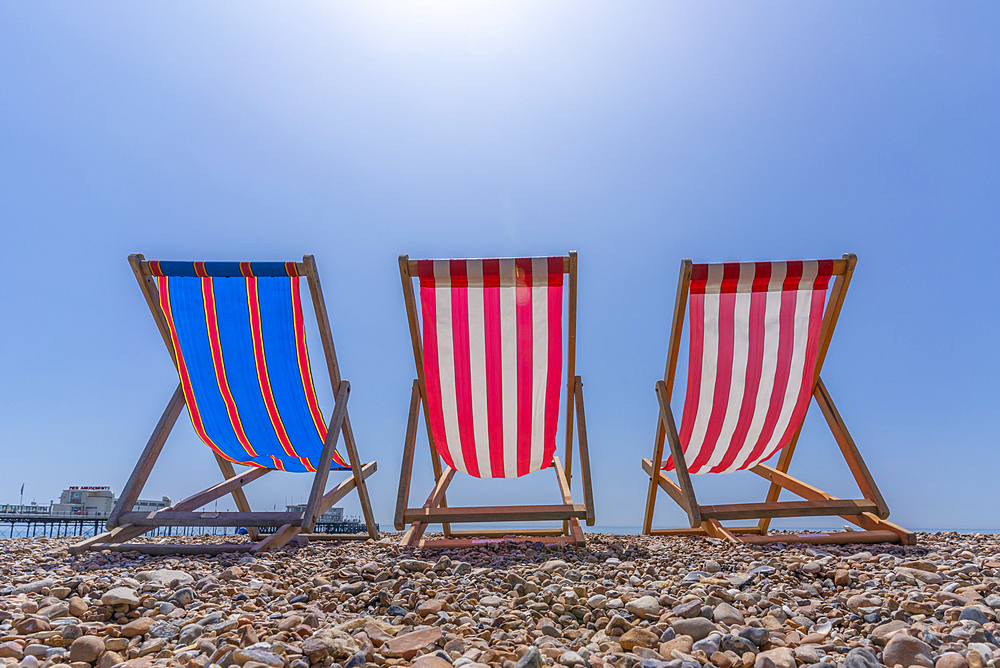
694 576
983 649
190 633
35 587
861 657
165 577
756 635
184 596
973 614
356 661
727 614
689 609
646 607
709 645
121 596
162 629
993 600
353 589
531 659
738 644
698 628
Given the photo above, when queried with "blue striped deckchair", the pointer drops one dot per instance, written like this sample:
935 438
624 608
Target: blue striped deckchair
236 334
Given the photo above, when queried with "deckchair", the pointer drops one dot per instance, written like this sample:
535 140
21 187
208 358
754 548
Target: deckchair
489 362
235 332
758 335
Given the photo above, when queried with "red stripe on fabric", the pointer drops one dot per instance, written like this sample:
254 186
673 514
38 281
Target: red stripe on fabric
425 272
792 275
306 463
755 363
278 464
823 273
730 277
154 268
699 278
463 364
761 276
215 344
199 269
808 370
245 270
786 332
182 371
554 376
723 373
305 368
494 365
302 357
260 361
524 363
291 269
696 343
556 271
432 372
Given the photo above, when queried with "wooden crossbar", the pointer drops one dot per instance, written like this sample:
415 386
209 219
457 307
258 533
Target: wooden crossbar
496 513
209 519
744 511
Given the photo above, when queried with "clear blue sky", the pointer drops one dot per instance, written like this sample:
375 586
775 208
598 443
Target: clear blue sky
635 133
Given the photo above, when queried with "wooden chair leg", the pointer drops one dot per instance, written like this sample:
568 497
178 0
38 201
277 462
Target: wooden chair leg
326 459
677 452
359 478
416 530
279 538
239 496
581 430
143 467
409 445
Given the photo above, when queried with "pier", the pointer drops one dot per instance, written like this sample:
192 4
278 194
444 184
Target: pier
29 525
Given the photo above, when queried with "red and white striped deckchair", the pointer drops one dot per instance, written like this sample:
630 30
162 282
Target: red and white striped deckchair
488 346
758 335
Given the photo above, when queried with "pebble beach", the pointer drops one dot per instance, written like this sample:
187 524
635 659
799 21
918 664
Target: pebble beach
622 601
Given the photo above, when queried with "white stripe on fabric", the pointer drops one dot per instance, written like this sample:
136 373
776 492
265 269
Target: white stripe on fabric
772 325
539 357
446 361
709 364
508 347
741 347
477 366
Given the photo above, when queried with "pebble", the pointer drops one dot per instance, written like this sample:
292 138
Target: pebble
86 648
619 602
696 627
905 650
861 657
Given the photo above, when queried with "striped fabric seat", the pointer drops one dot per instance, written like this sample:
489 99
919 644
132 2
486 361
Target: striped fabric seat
239 338
492 344
754 337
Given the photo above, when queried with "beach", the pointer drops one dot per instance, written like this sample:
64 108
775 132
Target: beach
630 601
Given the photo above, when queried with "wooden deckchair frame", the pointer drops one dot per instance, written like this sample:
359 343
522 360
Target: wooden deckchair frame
125 524
435 509
869 512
